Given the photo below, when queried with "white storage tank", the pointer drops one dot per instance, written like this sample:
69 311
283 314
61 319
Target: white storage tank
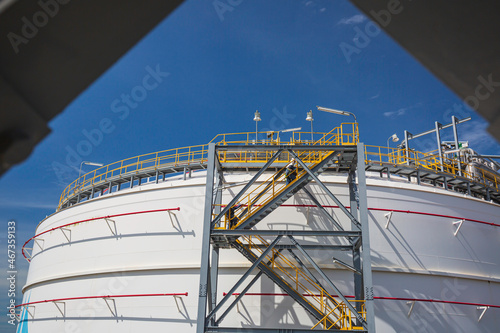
129 260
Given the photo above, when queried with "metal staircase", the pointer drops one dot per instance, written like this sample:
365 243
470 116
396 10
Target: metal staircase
276 193
234 226
299 283
267 197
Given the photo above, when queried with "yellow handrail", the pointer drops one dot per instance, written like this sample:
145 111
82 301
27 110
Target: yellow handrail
190 155
338 314
345 134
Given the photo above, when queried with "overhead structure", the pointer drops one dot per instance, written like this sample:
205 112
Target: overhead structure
52 51
454 41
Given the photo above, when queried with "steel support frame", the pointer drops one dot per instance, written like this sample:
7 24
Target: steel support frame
358 238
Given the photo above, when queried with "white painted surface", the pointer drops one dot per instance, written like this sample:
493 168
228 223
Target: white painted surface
417 256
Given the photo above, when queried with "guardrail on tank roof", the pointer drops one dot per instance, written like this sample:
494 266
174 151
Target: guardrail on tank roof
429 161
345 134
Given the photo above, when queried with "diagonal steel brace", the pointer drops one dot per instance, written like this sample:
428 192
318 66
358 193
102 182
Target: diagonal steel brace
330 194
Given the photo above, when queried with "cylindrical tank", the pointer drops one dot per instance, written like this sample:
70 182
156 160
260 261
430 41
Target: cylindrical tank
131 265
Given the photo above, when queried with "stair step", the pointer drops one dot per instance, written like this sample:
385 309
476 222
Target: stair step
258 215
295 294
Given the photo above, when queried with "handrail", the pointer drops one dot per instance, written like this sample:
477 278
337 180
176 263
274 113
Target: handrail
188 155
194 154
430 161
345 134
93 219
103 296
299 279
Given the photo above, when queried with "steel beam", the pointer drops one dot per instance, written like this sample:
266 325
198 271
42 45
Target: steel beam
243 278
356 254
454 122
279 199
311 275
327 279
245 290
245 188
365 240
266 330
323 186
214 268
442 127
278 280
438 138
308 247
238 298
248 232
238 148
318 204
205 248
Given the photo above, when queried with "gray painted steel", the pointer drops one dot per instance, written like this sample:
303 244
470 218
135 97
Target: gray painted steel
365 240
205 250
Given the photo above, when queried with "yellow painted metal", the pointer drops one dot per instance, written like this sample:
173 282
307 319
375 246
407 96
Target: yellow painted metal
427 161
345 134
271 187
186 156
134 165
346 321
336 313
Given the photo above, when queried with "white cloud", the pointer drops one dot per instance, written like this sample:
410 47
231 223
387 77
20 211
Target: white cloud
401 111
476 133
27 204
397 113
352 20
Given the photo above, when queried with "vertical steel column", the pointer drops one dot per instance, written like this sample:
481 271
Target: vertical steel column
356 255
214 268
455 134
365 239
440 150
205 247
214 272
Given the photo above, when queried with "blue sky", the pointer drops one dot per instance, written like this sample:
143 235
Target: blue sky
212 71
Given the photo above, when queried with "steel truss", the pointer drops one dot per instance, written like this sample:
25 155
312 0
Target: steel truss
217 234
